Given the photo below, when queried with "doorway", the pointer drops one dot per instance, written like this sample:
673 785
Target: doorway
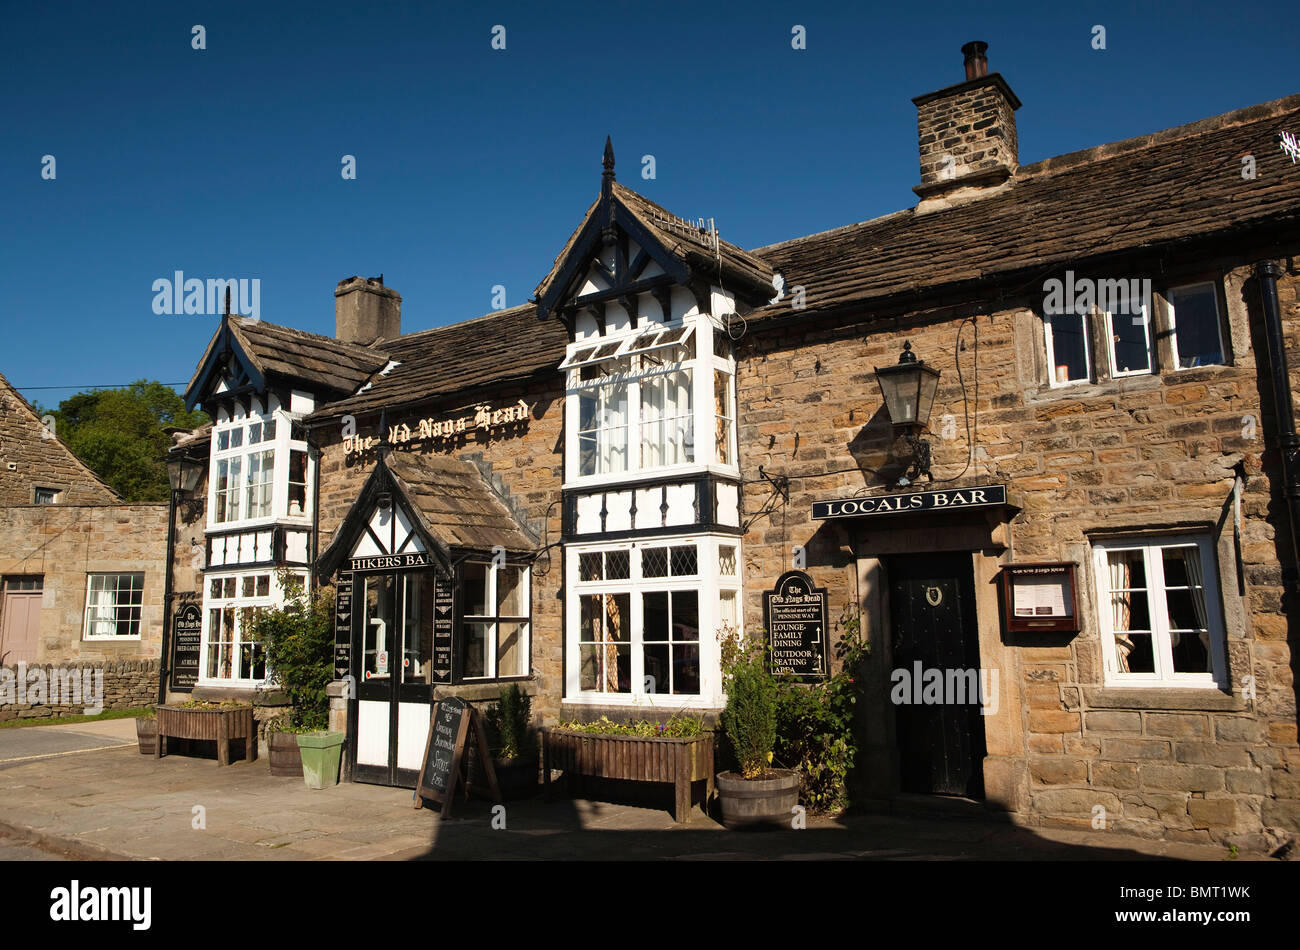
940 731
20 619
392 644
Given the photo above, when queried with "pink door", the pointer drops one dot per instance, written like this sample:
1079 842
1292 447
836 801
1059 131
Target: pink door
20 619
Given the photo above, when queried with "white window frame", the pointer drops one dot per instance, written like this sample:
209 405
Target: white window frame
275 596
1110 343
86 622
1049 341
703 419
1164 675
282 445
495 619
708 581
1173 322
54 493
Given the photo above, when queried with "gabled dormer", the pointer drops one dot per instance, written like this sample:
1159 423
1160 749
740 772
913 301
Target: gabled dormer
650 302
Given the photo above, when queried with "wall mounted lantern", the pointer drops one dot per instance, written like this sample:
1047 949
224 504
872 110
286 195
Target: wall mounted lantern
183 473
908 389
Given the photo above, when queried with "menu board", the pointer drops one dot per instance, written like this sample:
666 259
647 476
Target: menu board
795 614
1039 597
187 635
450 727
444 619
343 625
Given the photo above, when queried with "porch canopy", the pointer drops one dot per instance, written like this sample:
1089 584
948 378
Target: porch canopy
439 504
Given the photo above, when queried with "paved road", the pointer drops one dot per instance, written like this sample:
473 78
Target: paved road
14 851
33 742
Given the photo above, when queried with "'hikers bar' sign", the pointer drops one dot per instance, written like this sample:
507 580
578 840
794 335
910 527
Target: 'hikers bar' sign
978 497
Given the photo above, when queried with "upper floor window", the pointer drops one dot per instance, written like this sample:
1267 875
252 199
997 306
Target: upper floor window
1116 326
1159 612
259 468
45 496
641 400
1196 324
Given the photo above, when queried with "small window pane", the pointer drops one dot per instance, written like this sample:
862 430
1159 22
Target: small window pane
616 565
1129 349
214 587
229 587
511 592
654 606
589 567
685 562
727 560
654 562
247 587
1068 347
263 585
475 588
1196 325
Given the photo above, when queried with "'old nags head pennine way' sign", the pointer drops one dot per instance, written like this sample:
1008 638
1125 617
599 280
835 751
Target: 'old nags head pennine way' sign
795 614
187 632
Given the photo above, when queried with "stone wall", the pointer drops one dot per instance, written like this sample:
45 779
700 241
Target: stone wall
526 469
1158 451
64 544
126 684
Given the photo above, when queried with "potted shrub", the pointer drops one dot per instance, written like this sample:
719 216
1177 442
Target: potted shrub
514 749
756 795
146 732
299 638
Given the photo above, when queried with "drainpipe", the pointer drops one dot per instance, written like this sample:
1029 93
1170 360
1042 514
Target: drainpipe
164 668
1280 382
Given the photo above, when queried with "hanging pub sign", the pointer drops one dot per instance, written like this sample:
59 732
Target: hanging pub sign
343 625
452 725
911 502
187 633
444 617
796 616
380 562
1039 597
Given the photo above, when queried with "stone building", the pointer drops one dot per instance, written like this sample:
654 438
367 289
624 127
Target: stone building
1033 434
81 574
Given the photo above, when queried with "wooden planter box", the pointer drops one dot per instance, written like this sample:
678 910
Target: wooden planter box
219 725
633 759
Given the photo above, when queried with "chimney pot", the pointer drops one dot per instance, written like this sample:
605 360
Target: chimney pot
977 64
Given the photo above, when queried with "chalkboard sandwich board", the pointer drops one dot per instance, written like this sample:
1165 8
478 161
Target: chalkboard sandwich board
444 763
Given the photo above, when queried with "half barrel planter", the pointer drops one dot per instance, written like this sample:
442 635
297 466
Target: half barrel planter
219 725
766 802
681 762
285 755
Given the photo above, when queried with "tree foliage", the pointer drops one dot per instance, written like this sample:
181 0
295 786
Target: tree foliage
119 434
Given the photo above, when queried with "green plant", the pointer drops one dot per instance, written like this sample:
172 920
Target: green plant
815 734
299 638
749 719
677 726
509 719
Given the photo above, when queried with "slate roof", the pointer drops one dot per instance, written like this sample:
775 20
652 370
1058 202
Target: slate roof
691 245
322 362
509 345
1179 184
457 505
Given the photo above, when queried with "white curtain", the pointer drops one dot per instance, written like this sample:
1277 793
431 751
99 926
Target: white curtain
1120 612
1196 583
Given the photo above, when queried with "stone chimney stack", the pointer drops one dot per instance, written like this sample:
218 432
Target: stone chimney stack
967 136
365 311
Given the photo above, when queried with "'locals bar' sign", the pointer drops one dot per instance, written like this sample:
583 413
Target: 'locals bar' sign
978 497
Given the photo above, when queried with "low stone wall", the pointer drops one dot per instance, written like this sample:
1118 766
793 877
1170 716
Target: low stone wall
48 690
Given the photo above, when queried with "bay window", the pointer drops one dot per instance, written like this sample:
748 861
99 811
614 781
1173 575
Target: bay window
640 400
645 617
260 467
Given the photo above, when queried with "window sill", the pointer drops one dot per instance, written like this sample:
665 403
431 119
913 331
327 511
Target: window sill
1081 390
477 692
1210 699
134 638
589 712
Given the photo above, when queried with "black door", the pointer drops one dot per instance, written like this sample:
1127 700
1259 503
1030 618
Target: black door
941 736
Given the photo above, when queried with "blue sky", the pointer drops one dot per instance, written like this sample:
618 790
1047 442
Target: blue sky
475 164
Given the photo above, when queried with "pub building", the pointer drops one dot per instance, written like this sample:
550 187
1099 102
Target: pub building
1034 434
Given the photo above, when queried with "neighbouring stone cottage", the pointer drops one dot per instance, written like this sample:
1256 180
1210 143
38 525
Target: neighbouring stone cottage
82 578
1035 433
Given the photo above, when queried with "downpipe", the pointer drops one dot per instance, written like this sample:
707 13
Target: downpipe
1284 410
